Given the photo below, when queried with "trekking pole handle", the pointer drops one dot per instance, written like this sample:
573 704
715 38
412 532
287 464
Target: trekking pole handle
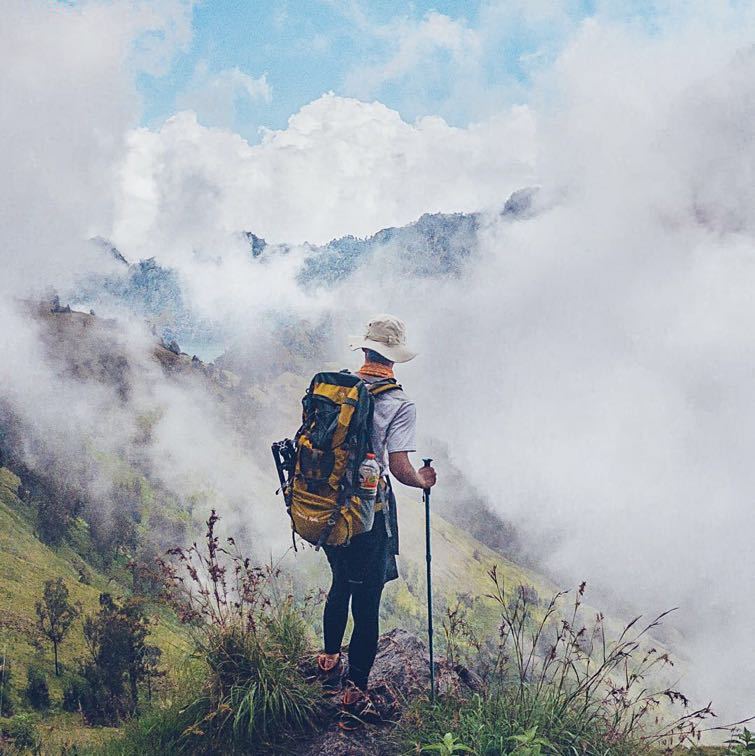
427 462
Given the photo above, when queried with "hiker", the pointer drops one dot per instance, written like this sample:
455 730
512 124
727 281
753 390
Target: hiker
361 568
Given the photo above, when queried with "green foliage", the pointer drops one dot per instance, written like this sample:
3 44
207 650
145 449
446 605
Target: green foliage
119 660
741 742
529 744
75 690
448 746
84 573
554 685
113 535
7 693
493 725
22 732
158 730
37 692
55 614
53 495
259 687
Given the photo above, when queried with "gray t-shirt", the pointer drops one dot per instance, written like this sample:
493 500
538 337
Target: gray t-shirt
394 424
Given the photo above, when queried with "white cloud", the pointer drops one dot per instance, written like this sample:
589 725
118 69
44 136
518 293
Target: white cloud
609 339
340 167
216 97
162 28
463 68
433 64
68 101
413 43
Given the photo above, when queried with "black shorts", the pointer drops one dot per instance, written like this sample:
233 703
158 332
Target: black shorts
367 560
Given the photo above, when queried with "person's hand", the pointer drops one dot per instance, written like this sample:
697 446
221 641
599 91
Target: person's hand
427 476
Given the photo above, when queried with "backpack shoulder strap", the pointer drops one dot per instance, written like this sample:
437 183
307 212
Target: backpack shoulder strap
381 387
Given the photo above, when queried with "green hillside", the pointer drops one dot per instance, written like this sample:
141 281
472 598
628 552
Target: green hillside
25 564
460 568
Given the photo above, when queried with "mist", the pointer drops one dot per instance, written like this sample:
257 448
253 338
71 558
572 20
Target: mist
590 370
70 103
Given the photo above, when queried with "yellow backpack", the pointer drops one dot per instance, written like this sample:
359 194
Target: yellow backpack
319 469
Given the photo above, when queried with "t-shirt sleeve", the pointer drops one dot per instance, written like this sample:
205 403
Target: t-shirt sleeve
402 431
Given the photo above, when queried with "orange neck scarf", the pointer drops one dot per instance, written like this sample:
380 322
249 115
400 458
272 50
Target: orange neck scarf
376 370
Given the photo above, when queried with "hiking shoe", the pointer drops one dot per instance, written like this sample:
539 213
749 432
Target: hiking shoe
357 707
330 671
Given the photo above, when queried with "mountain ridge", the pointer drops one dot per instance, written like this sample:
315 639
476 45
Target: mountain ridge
436 244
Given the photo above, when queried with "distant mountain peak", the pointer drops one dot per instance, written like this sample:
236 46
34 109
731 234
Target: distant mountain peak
436 244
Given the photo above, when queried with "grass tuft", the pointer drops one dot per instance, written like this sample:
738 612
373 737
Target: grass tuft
555 685
249 638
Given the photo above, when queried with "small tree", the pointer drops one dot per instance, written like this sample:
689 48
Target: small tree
55 614
120 659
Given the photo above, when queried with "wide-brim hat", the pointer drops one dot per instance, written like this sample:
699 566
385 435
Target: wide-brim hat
386 335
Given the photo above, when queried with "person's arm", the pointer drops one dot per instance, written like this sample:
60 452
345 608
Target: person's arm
402 470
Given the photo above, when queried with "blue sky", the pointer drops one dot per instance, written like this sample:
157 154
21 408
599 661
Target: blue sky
460 60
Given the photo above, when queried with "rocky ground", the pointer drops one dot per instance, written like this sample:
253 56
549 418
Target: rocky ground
400 674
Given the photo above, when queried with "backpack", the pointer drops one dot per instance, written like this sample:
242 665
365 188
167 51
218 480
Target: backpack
319 469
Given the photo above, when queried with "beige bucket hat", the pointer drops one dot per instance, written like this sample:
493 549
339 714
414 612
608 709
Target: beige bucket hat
386 335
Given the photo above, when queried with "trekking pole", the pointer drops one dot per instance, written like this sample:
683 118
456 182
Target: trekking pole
428 557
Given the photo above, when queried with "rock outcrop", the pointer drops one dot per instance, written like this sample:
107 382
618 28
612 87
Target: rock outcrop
401 674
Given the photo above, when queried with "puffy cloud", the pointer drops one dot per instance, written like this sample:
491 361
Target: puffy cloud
340 167
463 68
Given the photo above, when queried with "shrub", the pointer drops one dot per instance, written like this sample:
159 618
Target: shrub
83 571
37 692
55 614
22 731
448 746
257 685
251 637
159 730
741 742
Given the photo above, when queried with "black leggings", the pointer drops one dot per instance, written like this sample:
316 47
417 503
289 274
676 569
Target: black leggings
365 608
358 575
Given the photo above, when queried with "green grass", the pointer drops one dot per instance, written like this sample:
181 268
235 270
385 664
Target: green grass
556 684
490 727
25 564
63 729
250 639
